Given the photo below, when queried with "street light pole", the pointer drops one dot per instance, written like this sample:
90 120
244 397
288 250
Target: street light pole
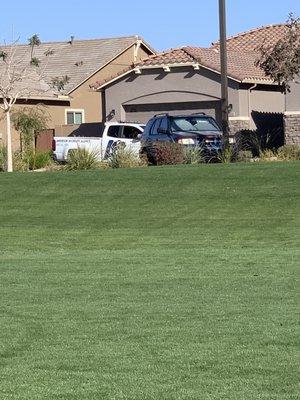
224 74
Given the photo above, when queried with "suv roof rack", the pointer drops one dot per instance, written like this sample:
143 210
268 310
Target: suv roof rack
199 113
130 122
166 114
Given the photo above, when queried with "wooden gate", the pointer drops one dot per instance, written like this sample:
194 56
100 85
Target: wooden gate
44 140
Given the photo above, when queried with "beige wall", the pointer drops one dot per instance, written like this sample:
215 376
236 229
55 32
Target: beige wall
266 100
82 98
153 86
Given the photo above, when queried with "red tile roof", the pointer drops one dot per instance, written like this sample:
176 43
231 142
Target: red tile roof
242 54
241 66
253 39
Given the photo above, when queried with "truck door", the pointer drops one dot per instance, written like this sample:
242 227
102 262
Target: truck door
121 134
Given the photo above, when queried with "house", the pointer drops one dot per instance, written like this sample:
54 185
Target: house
83 62
187 79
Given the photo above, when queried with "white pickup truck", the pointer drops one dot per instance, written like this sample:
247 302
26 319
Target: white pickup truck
110 135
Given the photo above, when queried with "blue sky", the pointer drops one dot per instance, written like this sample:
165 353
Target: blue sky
163 23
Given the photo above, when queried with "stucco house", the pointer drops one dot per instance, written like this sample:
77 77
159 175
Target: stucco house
83 61
187 79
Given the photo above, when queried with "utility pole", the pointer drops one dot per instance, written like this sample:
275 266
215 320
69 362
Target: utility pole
224 74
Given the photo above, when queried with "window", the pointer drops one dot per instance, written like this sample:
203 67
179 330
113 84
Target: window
164 123
114 131
74 117
123 132
130 132
155 127
193 124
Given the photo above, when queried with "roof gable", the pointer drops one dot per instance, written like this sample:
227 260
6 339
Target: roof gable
78 59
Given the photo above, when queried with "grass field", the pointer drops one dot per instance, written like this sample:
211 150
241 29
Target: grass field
157 283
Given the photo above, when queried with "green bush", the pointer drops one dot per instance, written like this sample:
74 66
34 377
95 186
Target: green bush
39 159
124 157
82 159
288 153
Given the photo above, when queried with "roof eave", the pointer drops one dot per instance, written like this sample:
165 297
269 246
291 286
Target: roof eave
259 81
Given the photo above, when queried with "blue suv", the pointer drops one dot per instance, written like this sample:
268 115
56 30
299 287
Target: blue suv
189 130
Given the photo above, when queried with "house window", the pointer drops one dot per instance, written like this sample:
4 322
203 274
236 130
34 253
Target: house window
74 117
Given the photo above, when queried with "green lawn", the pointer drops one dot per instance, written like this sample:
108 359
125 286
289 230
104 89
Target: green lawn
156 283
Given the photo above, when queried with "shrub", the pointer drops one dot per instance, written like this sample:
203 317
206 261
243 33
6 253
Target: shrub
82 159
2 158
268 155
194 155
19 164
258 141
124 157
38 160
288 153
228 154
167 153
244 156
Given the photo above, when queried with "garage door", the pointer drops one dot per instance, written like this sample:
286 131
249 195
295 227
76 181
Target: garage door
143 112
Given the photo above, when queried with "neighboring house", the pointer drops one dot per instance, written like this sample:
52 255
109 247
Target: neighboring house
188 79
83 61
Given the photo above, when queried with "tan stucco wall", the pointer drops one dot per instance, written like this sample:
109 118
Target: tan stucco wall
265 100
82 98
91 101
54 112
293 98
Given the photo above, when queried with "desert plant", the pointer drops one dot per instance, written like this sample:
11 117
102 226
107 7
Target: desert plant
228 154
268 155
2 158
194 155
82 159
38 160
258 141
244 156
19 164
124 157
288 153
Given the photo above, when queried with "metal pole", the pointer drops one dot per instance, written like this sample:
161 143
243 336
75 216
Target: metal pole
224 74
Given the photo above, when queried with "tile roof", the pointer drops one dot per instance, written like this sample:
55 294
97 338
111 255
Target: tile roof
173 56
241 66
253 39
78 60
242 54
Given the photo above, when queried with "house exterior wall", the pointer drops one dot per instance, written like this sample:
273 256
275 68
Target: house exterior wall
88 99
153 86
261 99
292 115
293 98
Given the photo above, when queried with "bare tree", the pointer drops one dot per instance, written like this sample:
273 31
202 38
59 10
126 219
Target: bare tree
282 61
22 75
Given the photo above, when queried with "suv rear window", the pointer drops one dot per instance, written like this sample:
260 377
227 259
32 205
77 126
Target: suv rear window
193 123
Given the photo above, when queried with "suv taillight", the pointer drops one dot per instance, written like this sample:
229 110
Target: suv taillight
53 145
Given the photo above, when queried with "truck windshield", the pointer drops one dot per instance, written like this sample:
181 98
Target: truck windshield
193 123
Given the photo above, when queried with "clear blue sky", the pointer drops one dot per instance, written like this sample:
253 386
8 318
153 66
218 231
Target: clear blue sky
163 23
